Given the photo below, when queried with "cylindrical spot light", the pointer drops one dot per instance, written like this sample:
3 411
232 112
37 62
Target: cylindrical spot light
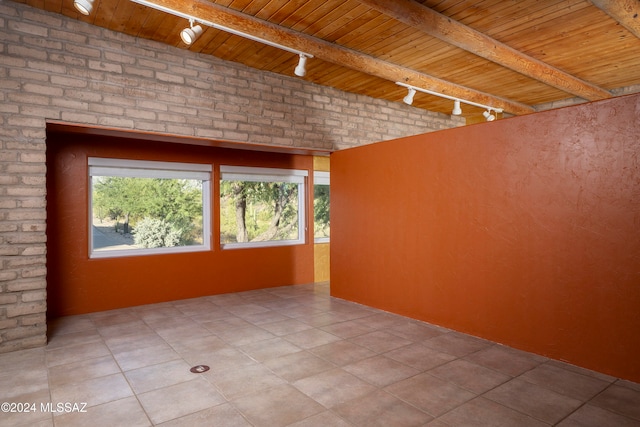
487 115
85 7
191 34
409 98
301 70
456 108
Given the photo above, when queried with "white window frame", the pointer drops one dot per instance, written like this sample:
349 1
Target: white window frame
257 174
98 166
321 178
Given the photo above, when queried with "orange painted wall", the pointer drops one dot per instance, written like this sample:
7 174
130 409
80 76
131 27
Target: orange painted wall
524 231
77 284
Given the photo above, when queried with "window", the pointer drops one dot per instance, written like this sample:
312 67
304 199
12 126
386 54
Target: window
144 207
321 223
261 207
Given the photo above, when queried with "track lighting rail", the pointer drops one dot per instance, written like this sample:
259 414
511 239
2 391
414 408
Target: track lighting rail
221 27
412 90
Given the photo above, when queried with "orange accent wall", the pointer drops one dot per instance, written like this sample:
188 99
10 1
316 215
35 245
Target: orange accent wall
77 284
524 231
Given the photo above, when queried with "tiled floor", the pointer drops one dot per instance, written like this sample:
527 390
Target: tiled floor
293 356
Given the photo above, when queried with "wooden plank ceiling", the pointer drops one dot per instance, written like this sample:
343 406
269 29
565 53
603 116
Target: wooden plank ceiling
509 54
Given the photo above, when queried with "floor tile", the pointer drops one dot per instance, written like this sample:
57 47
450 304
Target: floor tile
16 381
225 324
457 344
123 412
295 366
592 416
533 400
430 394
224 415
94 391
113 317
34 415
178 400
381 409
76 353
293 355
246 309
125 343
310 338
264 318
279 406
628 384
69 324
380 320
347 329
568 383
580 370
621 400
159 376
145 356
333 387
481 412
286 327
420 356
415 331
244 335
342 352
71 338
470 376
323 419
269 349
134 328
380 371
205 343
225 359
506 360
83 370
380 341
244 381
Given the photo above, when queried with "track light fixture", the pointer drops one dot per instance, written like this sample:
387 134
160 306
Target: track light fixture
487 115
456 101
85 7
409 98
300 70
191 33
194 31
456 108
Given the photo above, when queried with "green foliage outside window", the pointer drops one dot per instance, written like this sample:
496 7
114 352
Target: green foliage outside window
321 211
258 211
158 212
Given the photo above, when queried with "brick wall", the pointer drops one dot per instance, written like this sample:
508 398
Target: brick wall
55 68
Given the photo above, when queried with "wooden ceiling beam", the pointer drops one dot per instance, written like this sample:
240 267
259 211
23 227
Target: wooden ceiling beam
625 12
331 52
453 32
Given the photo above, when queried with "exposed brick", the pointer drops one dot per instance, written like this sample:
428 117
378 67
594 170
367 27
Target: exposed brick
34 296
26 52
34 320
8 275
6 324
24 332
21 309
68 82
105 66
26 285
44 43
46 90
28 74
8 298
